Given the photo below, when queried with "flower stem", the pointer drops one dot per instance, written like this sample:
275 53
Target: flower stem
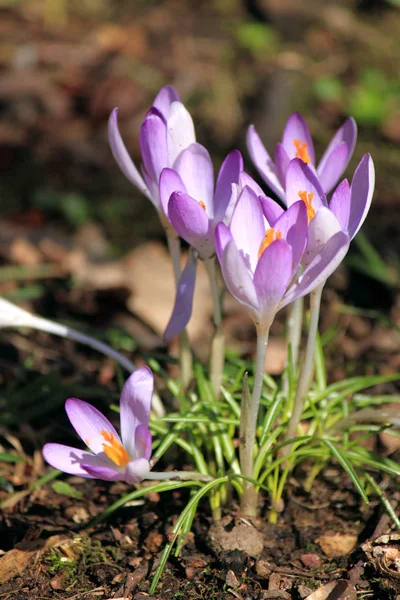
307 369
185 353
181 475
248 502
217 355
294 325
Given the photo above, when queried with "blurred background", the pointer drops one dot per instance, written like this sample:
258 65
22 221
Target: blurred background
80 244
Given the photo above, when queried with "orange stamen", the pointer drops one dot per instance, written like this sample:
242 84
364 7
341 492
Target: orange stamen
301 151
307 199
114 450
202 204
270 236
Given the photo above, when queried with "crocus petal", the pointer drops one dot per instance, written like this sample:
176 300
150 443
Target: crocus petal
103 472
340 204
170 181
272 277
89 423
69 460
165 97
321 229
231 205
229 173
347 134
334 167
135 405
361 192
143 442
238 279
318 271
300 179
281 163
153 144
184 298
223 236
296 129
121 155
271 209
191 222
246 180
136 470
263 162
181 132
293 227
195 167
248 227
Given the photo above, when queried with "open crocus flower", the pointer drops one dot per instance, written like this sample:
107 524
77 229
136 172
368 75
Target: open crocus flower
260 262
194 208
166 131
112 457
297 143
345 212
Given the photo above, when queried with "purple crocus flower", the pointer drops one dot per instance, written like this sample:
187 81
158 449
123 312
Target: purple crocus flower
194 208
260 262
112 457
166 131
297 143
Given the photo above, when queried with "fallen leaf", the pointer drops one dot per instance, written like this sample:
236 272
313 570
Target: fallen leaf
337 544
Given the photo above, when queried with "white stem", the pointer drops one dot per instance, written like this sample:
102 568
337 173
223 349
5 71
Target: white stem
307 369
185 353
294 325
182 475
13 316
248 501
217 354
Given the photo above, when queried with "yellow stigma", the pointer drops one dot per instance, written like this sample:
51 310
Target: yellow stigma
270 236
307 199
301 151
203 206
114 450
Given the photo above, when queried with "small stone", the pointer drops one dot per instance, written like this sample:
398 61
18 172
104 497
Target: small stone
312 561
263 568
231 579
304 591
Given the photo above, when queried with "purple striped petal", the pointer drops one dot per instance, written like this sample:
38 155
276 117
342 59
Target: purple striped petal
334 167
293 226
322 266
191 222
281 163
361 192
153 144
301 184
195 167
135 406
229 173
181 132
183 306
321 229
263 162
69 460
170 182
223 236
121 155
165 97
103 472
89 423
296 132
143 442
248 227
347 134
340 204
238 279
231 206
272 277
271 209
137 470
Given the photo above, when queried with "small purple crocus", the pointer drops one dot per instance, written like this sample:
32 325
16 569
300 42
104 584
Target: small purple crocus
260 262
194 208
166 131
297 143
112 458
